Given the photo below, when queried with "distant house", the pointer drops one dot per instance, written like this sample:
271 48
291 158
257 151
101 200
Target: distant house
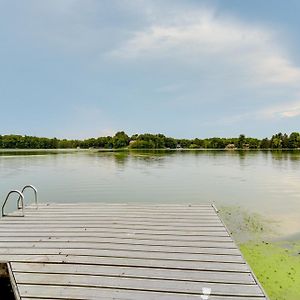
230 147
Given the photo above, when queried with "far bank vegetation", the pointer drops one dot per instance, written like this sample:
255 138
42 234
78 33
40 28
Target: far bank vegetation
152 141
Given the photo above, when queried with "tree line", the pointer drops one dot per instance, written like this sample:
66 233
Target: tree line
151 141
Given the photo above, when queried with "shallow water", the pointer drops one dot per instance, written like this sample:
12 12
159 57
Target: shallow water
265 182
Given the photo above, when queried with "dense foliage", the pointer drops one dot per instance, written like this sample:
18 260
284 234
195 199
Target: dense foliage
151 141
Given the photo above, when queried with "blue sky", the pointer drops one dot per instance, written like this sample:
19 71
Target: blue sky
83 68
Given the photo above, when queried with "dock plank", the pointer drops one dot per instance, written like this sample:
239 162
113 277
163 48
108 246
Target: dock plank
92 293
125 261
124 251
137 272
91 243
121 253
166 285
158 237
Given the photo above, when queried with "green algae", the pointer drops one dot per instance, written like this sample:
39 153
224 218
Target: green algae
246 226
276 264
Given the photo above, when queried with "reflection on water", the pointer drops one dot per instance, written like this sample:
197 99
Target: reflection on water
267 182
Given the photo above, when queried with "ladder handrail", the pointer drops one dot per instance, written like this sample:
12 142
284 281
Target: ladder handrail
29 186
21 198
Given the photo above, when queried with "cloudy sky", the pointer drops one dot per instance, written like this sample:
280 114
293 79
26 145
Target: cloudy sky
189 68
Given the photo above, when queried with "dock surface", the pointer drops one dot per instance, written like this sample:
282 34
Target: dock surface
124 251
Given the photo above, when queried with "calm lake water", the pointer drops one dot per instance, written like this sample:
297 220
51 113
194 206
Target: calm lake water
267 182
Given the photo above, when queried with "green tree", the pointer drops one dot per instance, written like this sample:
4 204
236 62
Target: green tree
264 144
199 143
120 140
294 140
141 144
184 143
276 141
170 143
241 141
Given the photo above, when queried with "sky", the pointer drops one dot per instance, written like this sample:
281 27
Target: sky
188 68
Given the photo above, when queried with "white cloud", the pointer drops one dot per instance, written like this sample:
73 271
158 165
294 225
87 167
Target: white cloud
201 36
195 59
277 69
167 31
286 110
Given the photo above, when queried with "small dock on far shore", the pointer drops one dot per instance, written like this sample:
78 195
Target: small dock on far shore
123 251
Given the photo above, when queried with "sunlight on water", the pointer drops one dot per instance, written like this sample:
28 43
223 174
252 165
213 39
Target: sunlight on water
264 182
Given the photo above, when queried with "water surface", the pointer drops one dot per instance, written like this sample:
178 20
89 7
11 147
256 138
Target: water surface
267 182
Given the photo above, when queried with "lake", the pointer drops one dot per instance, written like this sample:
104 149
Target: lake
266 182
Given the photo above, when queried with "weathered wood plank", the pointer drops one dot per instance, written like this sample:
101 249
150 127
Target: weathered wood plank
173 286
200 223
113 243
123 221
139 220
219 231
183 210
13 282
138 272
151 218
132 262
33 250
128 239
197 214
161 237
131 211
92 293
91 243
118 204
150 215
116 231
126 298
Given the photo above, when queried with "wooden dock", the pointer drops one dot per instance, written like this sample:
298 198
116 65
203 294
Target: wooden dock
124 251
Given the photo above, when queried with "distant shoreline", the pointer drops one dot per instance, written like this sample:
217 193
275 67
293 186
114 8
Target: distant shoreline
148 141
142 149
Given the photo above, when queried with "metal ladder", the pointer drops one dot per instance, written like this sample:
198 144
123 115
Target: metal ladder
20 201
